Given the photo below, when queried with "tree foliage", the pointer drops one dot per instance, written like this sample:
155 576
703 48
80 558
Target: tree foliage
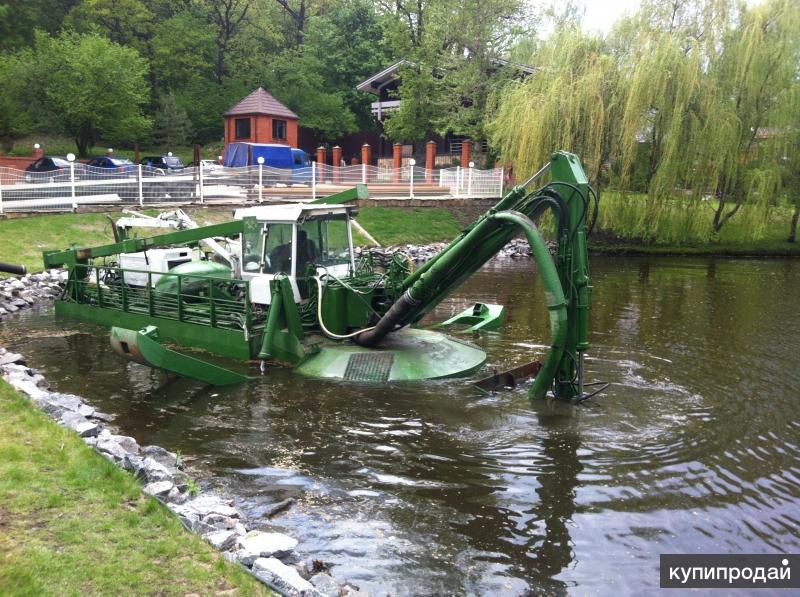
687 96
86 86
452 49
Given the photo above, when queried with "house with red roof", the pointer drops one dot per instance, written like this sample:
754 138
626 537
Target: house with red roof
260 118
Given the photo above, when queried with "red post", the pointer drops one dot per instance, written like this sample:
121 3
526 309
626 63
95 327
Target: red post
321 155
38 152
466 153
336 162
430 160
366 156
137 153
397 163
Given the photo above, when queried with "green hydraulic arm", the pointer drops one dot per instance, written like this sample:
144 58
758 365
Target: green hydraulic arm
356 193
76 256
567 285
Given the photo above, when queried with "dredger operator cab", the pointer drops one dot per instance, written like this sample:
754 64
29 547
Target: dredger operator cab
297 240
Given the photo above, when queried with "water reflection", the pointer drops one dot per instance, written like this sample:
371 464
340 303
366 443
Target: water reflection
429 489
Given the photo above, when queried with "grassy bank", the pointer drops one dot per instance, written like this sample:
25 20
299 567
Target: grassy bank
72 523
631 224
24 239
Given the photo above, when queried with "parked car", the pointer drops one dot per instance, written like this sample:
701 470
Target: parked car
51 169
209 166
113 164
164 162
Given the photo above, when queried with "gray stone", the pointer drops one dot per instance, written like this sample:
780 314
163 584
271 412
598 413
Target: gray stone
176 496
258 544
10 308
240 529
51 408
201 528
325 584
85 410
67 401
154 471
229 556
11 358
113 449
132 463
163 457
212 504
158 489
349 591
105 418
88 429
222 540
219 521
79 424
284 578
126 443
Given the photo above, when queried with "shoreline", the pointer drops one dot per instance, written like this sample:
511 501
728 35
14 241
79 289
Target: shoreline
267 555
264 553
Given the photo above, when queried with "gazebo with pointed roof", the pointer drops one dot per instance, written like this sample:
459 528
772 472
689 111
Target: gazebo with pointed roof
260 118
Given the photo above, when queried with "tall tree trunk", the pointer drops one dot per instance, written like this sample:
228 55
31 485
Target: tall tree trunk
793 225
720 217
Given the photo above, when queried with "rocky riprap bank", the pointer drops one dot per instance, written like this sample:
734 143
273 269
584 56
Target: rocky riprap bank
268 555
21 293
517 248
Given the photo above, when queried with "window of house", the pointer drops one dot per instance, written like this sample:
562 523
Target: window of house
242 128
278 129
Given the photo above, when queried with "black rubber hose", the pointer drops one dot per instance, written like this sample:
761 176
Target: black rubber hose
10 268
401 307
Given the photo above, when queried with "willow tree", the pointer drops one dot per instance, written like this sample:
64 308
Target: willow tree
702 82
753 110
568 103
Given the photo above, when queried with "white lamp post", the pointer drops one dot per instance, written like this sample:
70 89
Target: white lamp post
71 160
412 162
469 180
260 161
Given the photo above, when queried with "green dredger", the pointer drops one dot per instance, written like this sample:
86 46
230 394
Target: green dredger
281 284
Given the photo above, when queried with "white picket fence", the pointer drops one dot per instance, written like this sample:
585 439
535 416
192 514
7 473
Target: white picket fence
68 189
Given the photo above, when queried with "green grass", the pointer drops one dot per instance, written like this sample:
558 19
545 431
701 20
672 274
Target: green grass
23 239
72 523
418 225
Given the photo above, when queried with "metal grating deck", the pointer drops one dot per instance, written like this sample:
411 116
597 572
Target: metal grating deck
369 366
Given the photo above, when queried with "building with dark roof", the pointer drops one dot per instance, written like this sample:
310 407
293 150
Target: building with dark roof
260 118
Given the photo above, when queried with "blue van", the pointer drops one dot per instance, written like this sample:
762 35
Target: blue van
275 155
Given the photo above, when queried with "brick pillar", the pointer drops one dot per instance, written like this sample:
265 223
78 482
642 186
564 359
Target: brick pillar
397 161
366 156
466 153
38 152
336 161
430 160
137 153
321 155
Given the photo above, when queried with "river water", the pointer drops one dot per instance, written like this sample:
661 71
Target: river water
428 488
